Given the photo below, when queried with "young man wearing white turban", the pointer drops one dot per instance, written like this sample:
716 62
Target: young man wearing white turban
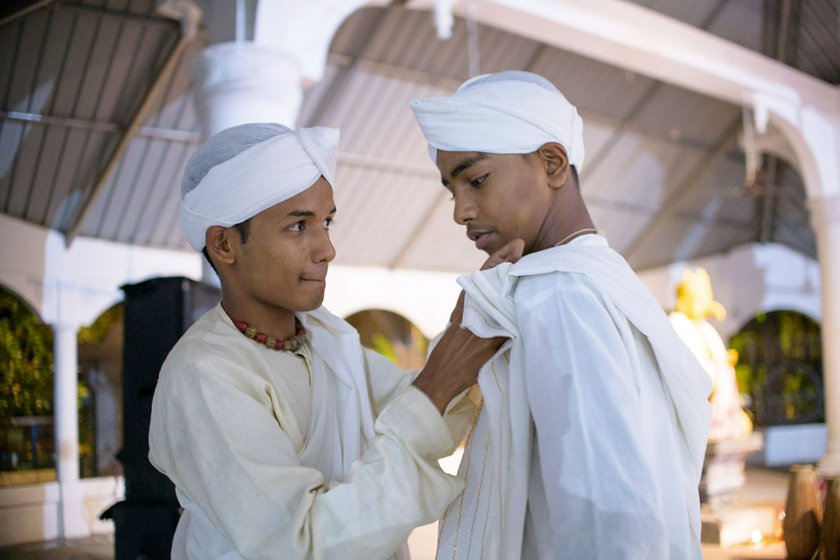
594 423
283 436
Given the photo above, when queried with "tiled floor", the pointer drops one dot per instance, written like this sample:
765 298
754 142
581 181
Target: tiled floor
763 487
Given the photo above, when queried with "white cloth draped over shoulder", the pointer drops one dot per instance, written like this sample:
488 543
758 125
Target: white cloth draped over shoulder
526 485
341 409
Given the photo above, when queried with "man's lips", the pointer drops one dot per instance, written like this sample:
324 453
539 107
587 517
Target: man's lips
479 237
314 278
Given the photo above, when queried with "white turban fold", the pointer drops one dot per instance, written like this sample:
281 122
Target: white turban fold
511 112
243 170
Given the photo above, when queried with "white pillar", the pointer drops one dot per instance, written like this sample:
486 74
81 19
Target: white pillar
72 519
825 217
260 55
244 82
65 411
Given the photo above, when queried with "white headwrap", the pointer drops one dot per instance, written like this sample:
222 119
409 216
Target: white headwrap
510 112
243 170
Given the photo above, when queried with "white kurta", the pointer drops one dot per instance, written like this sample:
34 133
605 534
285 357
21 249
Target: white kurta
591 439
232 426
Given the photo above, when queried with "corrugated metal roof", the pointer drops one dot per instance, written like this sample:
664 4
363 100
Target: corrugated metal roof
97 121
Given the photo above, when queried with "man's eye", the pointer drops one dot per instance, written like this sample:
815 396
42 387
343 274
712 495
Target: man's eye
297 226
478 181
328 223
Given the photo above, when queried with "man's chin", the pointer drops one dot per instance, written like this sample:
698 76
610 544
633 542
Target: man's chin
313 304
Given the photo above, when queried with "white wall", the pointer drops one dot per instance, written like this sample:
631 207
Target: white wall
77 284
31 513
424 298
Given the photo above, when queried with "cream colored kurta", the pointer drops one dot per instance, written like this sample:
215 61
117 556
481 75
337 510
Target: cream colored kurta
230 425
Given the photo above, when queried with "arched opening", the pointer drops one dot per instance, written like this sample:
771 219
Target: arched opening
100 393
27 431
26 394
392 335
780 368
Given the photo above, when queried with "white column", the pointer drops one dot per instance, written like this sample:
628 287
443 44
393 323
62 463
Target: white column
72 520
260 55
825 217
244 82
66 412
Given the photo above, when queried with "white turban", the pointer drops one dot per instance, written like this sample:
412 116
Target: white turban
243 170
511 112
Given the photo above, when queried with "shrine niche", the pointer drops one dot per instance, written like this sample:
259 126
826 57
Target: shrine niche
780 369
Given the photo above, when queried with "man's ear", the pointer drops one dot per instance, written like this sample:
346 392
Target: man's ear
217 239
553 157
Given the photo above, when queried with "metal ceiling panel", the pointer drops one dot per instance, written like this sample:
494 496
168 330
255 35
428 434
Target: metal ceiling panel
663 174
681 239
641 171
694 13
443 245
818 40
735 21
678 114
377 211
594 87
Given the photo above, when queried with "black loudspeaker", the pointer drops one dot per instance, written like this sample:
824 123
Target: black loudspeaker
157 312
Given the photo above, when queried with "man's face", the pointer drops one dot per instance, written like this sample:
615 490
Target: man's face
282 266
498 197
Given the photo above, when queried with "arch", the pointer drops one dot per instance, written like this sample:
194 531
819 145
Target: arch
26 391
100 370
392 335
5 289
780 368
811 138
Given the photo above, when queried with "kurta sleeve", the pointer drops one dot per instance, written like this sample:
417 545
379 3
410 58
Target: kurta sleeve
592 467
217 434
388 381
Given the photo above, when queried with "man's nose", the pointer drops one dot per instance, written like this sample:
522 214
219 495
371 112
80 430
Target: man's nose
324 251
465 209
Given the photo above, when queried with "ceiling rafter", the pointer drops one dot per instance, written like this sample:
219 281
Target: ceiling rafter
184 136
345 71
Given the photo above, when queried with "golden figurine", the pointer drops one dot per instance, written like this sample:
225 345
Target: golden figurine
695 302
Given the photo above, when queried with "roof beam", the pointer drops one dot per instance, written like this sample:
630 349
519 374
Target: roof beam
157 133
635 38
25 11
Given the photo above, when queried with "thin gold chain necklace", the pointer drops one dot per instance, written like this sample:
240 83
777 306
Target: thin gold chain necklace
574 234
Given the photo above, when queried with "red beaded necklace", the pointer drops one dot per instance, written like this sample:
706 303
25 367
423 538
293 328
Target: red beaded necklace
291 344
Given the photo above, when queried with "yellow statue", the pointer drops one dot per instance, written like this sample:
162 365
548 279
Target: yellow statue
694 303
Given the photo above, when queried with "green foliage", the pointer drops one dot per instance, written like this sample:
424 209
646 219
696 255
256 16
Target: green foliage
780 368
97 332
26 361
